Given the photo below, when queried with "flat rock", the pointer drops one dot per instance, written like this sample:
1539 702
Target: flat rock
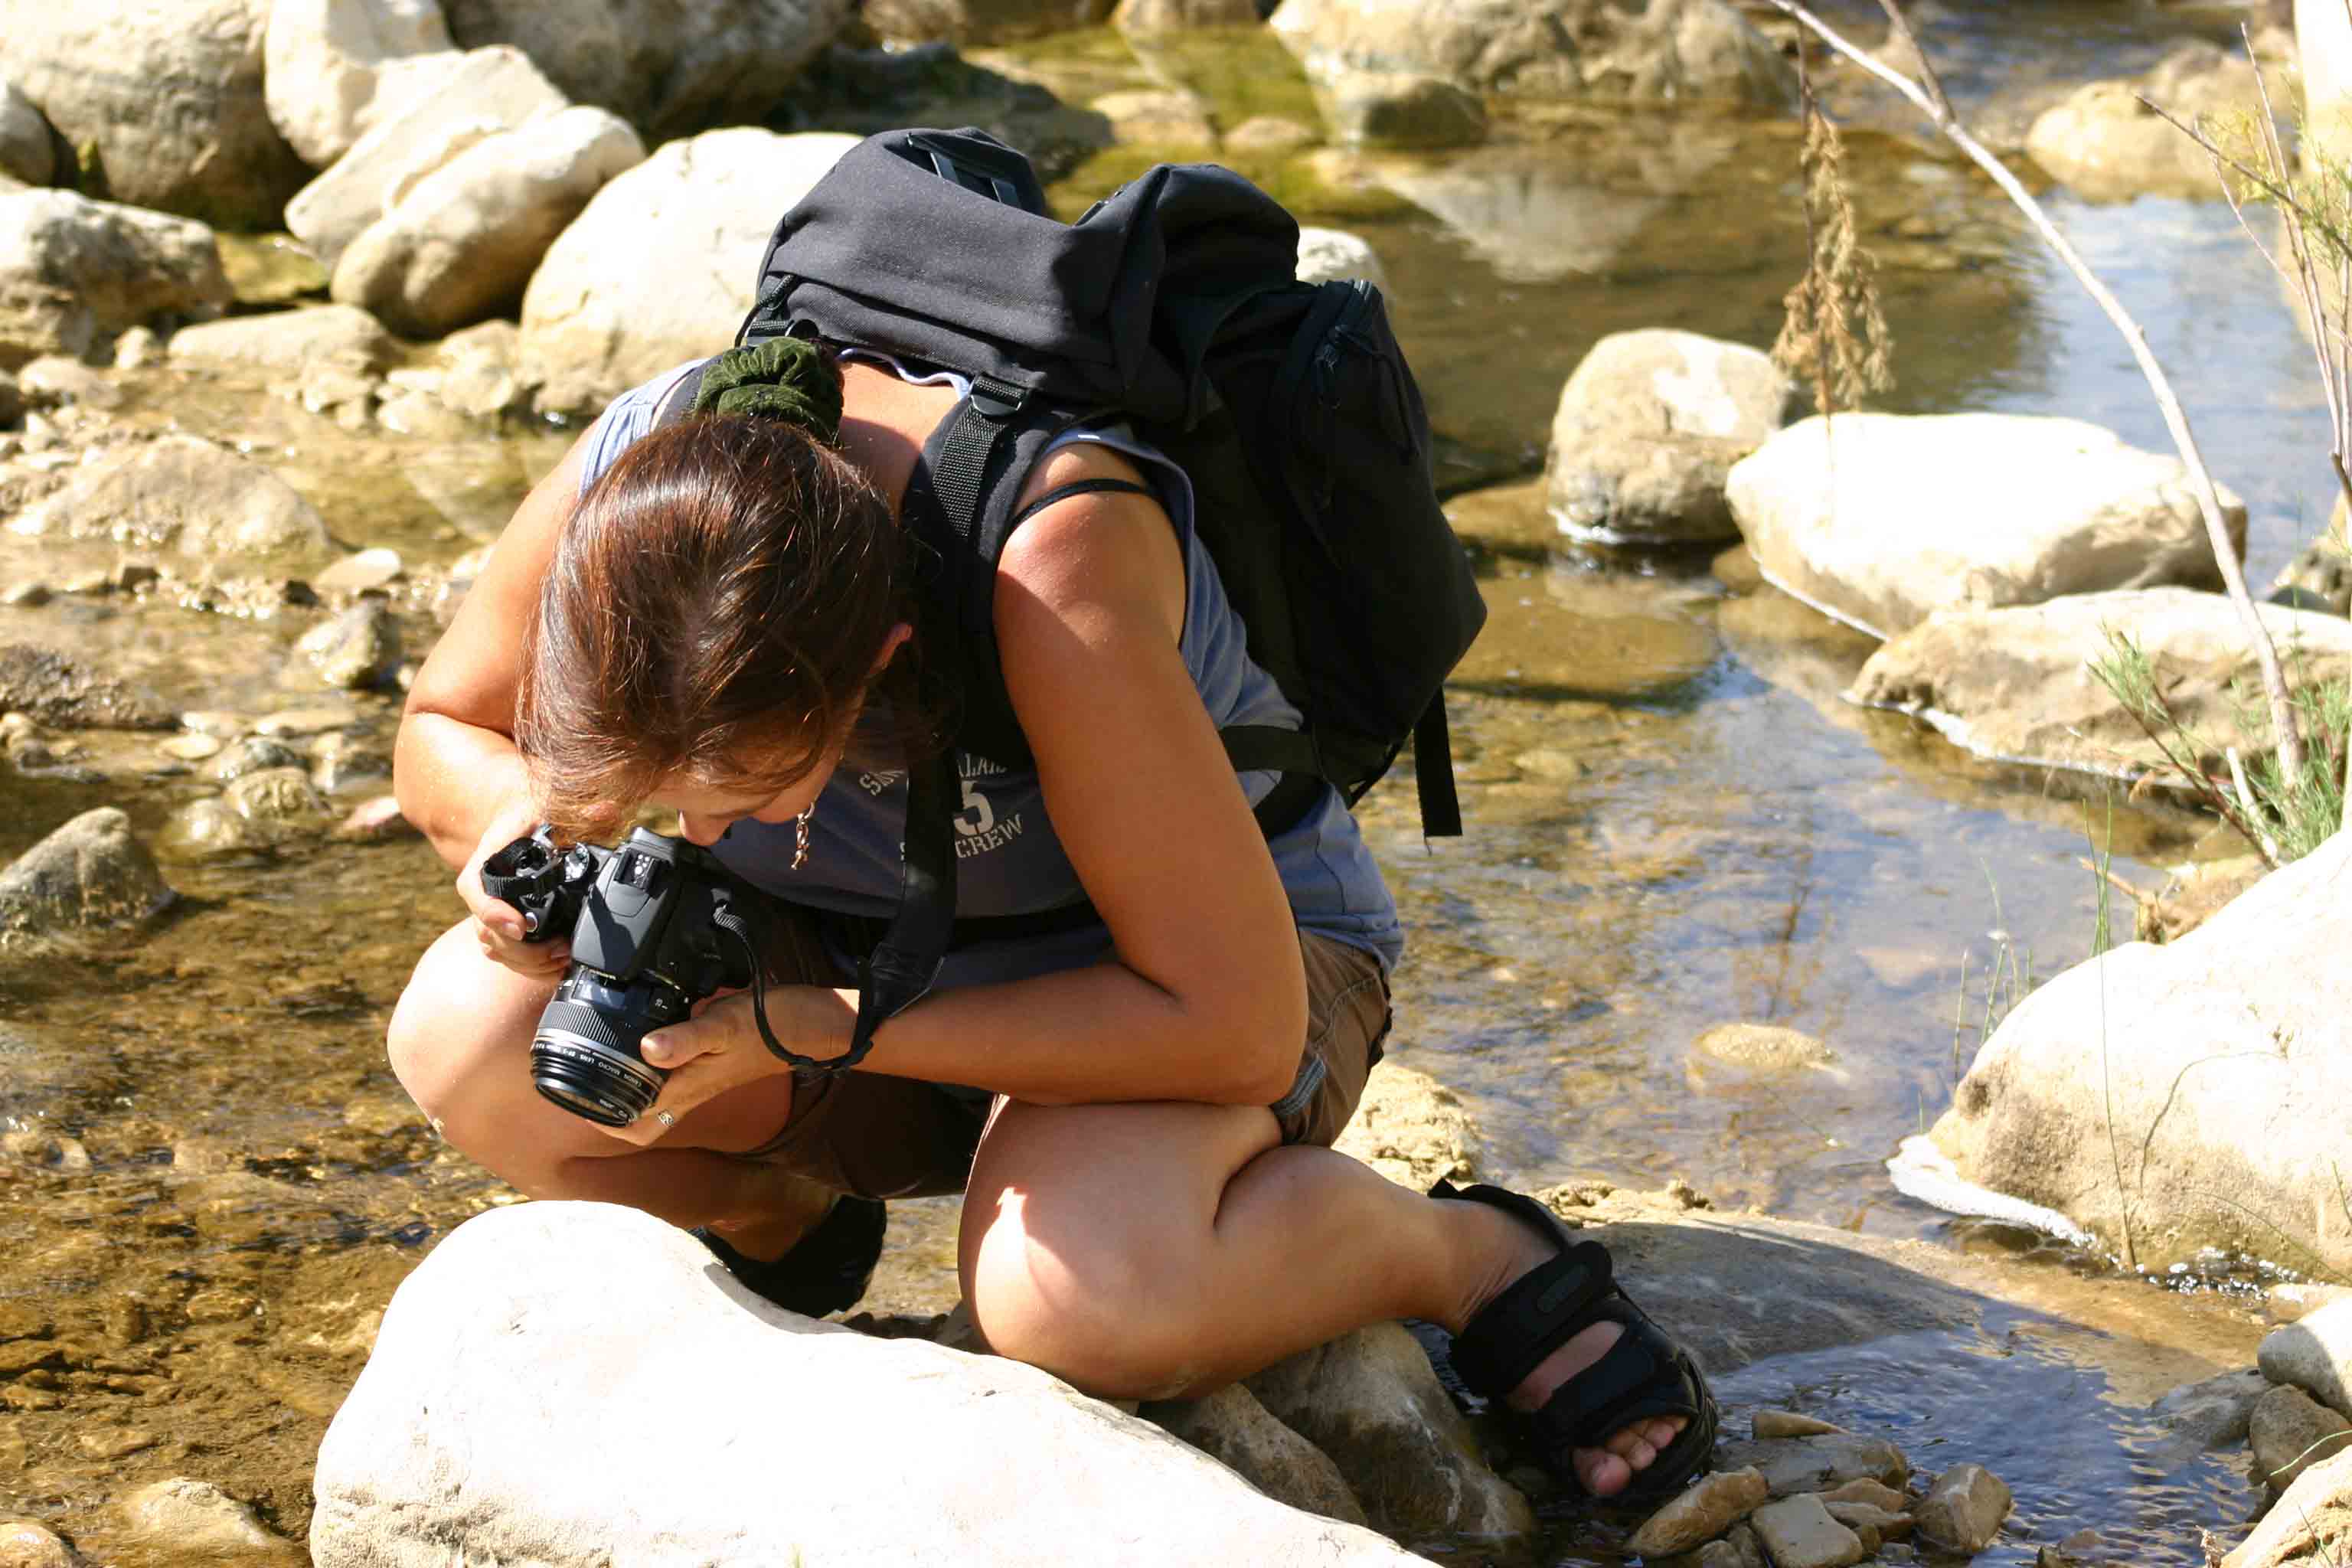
1876 1494
197 1517
63 694
1647 429
1231 1427
2290 1432
73 270
659 268
1412 1129
1372 1400
360 571
1963 1508
2314 1353
1700 1512
167 99
670 67
2214 1412
325 60
2311 1523
1798 1533
1557 49
1873 1523
90 872
2103 141
471 97
2215 1058
2017 684
461 243
1909 514
289 342
483 1422
184 497
1793 1465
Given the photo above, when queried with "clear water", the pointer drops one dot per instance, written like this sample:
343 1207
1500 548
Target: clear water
1676 824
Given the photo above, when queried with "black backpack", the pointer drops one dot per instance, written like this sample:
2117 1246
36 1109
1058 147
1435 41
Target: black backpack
1172 306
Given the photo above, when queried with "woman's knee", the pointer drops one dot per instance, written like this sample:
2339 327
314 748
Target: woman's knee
1103 1308
457 1015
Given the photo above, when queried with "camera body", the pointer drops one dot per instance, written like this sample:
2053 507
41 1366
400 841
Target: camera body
656 924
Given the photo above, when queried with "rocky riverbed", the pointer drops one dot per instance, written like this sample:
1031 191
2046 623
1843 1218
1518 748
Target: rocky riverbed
1716 925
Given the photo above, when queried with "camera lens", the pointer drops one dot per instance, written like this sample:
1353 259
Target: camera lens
585 1057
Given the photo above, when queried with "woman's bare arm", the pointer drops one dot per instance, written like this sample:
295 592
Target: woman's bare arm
454 766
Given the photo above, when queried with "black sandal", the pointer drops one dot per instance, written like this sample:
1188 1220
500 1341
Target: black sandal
1645 1374
825 1271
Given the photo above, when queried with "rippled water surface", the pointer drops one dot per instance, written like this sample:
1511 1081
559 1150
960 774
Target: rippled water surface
1675 824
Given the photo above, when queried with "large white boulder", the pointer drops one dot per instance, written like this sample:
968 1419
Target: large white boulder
575 1383
325 60
1647 429
2196 1089
73 272
668 67
208 510
1326 254
1671 50
1881 519
168 98
2016 684
455 102
2103 141
27 149
462 244
658 268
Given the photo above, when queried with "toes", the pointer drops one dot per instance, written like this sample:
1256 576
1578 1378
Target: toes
1602 1472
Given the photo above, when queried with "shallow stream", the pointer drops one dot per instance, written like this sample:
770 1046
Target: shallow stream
1675 824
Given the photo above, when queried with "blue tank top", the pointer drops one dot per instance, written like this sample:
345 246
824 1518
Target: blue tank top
1008 861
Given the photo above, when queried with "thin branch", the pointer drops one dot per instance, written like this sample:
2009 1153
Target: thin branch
2252 808
1938 110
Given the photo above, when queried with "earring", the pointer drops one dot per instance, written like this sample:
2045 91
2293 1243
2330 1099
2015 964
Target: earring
800 836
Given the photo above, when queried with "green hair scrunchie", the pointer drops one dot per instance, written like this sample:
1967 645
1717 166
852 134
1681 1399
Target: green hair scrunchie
785 378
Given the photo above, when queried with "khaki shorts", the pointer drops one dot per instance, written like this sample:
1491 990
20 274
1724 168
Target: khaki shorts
893 1137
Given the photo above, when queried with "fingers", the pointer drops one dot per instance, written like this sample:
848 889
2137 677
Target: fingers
543 960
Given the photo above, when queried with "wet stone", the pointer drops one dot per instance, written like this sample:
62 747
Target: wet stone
1231 1427
1811 1464
255 754
89 872
26 1543
2290 1432
1769 1423
295 723
1963 1508
1700 1513
196 1516
1798 1533
192 748
357 572
29 595
277 800
116 1445
1873 1493
1873 1523
357 649
2212 1413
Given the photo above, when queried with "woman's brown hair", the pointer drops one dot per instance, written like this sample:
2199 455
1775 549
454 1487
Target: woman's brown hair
714 613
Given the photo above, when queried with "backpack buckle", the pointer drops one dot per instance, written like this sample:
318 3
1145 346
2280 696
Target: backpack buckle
998 402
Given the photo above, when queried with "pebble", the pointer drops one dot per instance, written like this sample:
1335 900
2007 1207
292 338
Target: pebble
357 572
1963 1508
192 748
1793 1465
2290 1432
296 721
254 754
220 726
1798 1533
2314 1353
357 649
197 1517
26 1543
1768 1422
115 1444
25 596
1700 1513
1874 1493
373 820
137 349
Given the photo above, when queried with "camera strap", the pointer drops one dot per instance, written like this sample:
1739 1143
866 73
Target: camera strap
902 967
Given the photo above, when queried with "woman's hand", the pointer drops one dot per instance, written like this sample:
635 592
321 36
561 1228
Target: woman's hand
499 926
719 1048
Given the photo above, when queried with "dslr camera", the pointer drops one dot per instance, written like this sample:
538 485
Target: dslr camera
656 924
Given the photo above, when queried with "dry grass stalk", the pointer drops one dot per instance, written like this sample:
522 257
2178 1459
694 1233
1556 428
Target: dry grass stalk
1833 337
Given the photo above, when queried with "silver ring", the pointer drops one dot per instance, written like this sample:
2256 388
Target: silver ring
665 1119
